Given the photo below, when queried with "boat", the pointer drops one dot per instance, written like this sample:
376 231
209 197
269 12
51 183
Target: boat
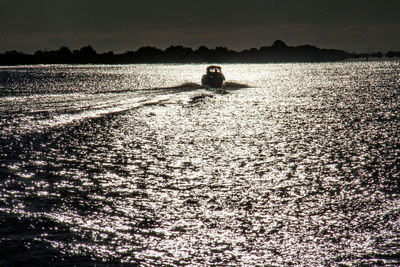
213 78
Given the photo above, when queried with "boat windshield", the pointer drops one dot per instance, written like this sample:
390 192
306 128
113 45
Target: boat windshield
214 69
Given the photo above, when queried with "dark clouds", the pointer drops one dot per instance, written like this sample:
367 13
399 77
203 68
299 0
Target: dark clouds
127 24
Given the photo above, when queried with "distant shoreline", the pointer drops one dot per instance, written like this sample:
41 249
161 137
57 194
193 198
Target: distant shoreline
278 52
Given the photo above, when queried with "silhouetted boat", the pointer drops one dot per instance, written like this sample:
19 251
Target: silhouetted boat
213 78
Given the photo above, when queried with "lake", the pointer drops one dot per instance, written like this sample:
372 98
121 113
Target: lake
288 164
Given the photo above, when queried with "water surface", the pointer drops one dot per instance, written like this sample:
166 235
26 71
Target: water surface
289 164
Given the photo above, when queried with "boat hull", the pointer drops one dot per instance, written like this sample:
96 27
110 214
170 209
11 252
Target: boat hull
214 80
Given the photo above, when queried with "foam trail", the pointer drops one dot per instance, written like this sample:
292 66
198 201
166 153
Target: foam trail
53 110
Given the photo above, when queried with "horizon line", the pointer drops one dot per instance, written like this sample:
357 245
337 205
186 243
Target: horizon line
45 50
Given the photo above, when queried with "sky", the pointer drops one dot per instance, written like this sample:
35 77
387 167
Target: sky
126 25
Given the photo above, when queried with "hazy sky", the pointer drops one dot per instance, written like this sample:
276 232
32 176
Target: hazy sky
122 25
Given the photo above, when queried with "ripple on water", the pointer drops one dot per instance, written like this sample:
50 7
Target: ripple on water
300 169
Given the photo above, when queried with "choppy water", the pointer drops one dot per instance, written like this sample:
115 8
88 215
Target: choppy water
291 164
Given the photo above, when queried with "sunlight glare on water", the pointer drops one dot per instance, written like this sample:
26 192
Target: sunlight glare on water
289 164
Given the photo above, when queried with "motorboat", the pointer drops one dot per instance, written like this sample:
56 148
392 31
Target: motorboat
213 78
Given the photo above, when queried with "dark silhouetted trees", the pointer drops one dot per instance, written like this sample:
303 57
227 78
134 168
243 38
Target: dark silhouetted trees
391 54
277 52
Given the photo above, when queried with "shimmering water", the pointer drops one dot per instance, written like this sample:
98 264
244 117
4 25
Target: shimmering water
289 164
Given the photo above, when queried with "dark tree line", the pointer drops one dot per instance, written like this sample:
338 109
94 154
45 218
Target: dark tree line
278 52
